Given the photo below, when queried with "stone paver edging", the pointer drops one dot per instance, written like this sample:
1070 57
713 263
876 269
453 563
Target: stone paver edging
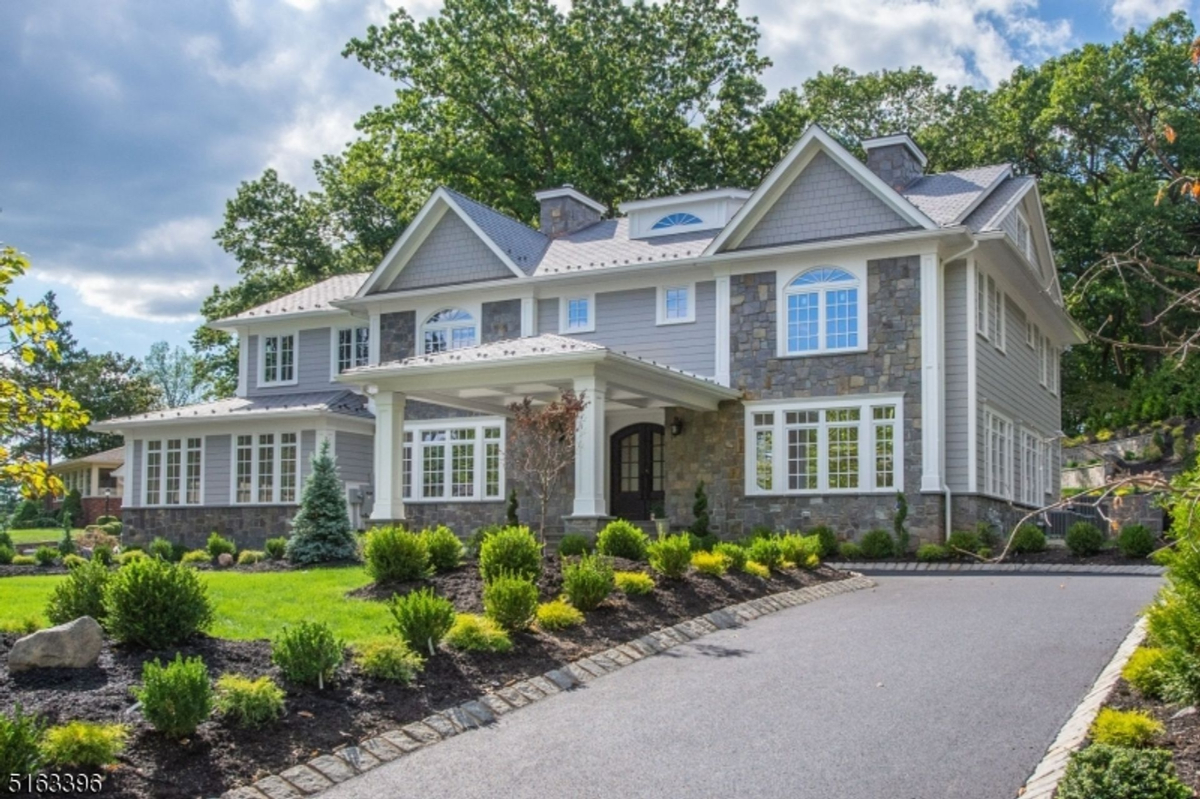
1149 570
1045 778
326 770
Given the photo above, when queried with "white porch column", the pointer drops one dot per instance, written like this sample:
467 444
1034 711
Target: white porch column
389 456
589 450
932 374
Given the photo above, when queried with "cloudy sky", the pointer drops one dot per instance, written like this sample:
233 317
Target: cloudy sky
128 123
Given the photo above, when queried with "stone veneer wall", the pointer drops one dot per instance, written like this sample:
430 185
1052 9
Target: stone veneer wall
249 526
501 320
894 165
397 335
712 445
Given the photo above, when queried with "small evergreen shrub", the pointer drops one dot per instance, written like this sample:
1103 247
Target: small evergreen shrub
964 540
176 697
161 548
671 555
700 517
987 534
1125 728
929 553
113 528
393 553
1028 539
196 556
634 583
445 550
132 556
66 544
984 552
574 544
247 702
765 552
848 550
620 539
80 594
321 531
558 615
828 540
154 604
20 736
6 554
1136 541
475 540
711 563
102 553
799 548
510 550
83 744
757 569
248 557
1084 539
218 545
877 544
276 548
5 538
734 553
308 654
1146 671
24 560
511 601
388 659
72 560
422 618
588 581
511 517
473 633
702 543
45 556
1117 772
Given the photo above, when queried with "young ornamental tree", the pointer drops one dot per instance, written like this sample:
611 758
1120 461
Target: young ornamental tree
321 530
542 445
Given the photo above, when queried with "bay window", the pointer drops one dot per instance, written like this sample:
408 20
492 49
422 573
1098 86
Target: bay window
278 358
833 445
173 471
266 468
459 460
823 312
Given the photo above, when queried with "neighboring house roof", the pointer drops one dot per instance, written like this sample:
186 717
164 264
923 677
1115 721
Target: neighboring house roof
947 197
342 402
521 243
313 298
114 456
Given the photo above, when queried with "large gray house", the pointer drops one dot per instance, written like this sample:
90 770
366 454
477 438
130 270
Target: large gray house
808 349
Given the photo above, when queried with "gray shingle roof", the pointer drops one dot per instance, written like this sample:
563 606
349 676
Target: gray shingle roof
313 298
987 216
114 455
946 196
339 401
523 244
607 244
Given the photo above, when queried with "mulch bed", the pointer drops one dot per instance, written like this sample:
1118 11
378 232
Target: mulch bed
356 707
1182 735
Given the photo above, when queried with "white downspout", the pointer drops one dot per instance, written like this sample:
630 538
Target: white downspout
946 493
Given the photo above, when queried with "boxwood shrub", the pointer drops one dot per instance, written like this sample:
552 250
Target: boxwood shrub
308 654
1136 541
1028 539
620 539
671 555
175 697
422 618
588 581
395 554
928 553
156 604
80 594
1084 539
511 602
574 544
445 550
877 544
510 550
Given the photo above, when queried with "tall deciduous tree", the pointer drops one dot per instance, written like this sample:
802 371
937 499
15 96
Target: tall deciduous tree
173 373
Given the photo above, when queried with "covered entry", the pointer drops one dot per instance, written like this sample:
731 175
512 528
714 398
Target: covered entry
637 472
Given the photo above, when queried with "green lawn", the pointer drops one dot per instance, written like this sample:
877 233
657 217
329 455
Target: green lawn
39 535
247 606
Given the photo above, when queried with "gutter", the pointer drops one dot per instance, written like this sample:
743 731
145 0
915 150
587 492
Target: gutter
947 494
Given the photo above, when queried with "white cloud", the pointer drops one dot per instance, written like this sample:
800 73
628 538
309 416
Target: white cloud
316 129
1130 13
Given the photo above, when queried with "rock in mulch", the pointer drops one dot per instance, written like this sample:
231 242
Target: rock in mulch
74 645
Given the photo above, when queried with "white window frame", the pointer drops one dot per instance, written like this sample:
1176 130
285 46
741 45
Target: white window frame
996 295
1032 333
294 335
1001 485
335 350
1052 367
564 304
1048 449
475 312
414 456
1032 466
1043 359
784 278
660 304
1025 247
982 304
276 466
184 449
866 444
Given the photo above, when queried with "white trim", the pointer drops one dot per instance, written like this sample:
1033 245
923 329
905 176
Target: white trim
722 354
564 302
144 493
866 455
262 382
573 193
373 338
243 363
972 383
784 278
896 138
529 320
932 372
334 348
591 449
426 313
1009 484
276 448
651 203
660 303
477 423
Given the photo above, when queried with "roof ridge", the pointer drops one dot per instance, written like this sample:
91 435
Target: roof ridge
486 207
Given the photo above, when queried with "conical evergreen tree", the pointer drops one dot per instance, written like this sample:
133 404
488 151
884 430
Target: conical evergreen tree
321 530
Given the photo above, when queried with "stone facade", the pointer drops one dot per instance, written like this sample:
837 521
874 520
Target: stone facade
968 510
397 335
249 526
894 164
562 215
501 320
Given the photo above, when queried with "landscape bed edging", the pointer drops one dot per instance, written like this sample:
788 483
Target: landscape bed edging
1145 570
325 771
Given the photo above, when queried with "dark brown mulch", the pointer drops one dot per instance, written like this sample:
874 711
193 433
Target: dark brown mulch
1182 735
356 707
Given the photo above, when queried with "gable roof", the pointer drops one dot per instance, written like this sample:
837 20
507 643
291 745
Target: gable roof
949 197
990 214
317 297
109 456
523 244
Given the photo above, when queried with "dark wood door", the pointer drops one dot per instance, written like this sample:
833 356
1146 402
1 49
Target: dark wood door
636 471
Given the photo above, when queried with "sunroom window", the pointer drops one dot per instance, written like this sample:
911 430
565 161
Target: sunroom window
823 312
453 462
450 329
173 471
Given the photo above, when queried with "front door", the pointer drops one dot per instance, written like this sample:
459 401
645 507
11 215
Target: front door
636 471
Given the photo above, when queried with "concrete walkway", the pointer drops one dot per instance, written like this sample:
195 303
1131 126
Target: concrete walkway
927 686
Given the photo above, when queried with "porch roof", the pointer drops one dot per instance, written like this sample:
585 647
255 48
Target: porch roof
490 377
341 402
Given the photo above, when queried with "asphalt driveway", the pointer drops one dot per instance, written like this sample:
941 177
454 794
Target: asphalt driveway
927 686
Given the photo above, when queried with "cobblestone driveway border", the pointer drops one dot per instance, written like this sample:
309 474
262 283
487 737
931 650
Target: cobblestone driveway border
1146 570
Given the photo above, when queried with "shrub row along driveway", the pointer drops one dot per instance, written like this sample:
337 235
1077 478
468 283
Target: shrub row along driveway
927 686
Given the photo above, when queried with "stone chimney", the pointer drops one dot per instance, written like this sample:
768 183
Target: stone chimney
897 159
565 210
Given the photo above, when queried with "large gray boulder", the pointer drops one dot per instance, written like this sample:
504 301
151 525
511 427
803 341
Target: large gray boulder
74 645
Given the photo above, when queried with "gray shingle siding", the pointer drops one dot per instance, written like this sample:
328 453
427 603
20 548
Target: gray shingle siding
313 351
218 460
451 253
355 456
133 497
625 322
959 336
825 201
1009 225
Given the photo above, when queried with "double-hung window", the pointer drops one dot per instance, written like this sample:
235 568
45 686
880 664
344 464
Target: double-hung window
823 312
676 304
1043 359
998 454
577 314
1031 467
981 304
278 359
820 446
1024 236
351 348
449 329
453 460
997 323
174 471
266 468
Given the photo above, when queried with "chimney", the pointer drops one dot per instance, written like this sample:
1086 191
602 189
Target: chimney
565 210
896 159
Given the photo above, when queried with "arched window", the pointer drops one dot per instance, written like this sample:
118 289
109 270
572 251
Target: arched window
673 220
823 312
450 329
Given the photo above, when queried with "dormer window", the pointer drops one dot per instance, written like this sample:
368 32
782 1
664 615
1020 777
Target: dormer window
450 329
278 359
824 313
676 220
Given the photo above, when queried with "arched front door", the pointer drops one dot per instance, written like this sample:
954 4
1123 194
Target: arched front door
637 471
